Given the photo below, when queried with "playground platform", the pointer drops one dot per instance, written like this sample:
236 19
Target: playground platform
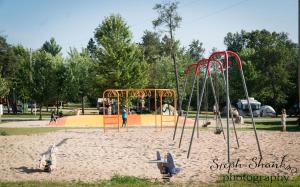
133 120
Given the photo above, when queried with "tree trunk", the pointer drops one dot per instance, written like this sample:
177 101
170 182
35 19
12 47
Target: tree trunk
175 71
47 108
40 118
8 105
82 105
57 103
299 63
31 108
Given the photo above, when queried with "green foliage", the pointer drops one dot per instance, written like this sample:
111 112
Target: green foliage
42 84
3 133
129 181
151 46
23 77
270 66
196 50
51 47
120 62
167 16
3 87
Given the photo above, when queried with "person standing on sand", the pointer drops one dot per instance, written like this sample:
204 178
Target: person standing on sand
283 120
124 117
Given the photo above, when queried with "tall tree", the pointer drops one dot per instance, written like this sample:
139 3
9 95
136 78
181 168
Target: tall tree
151 46
168 18
120 61
269 61
42 78
9 68
81 70
51 47
92 48
196 50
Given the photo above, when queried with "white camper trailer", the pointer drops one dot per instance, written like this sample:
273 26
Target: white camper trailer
243 108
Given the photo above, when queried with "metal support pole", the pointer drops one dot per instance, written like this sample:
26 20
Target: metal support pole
250 109
227 104
198 111
198 104
188 108
233 123
180 107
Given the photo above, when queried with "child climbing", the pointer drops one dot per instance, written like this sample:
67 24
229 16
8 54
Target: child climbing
283 120
124 117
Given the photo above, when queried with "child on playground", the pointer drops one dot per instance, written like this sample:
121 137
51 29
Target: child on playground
124 117
283 120
53 117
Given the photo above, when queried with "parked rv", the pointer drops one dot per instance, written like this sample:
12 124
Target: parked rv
243 107
267 110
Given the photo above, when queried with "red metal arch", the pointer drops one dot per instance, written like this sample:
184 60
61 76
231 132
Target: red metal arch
226 54
202 62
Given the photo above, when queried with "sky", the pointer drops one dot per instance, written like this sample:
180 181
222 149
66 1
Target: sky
72 22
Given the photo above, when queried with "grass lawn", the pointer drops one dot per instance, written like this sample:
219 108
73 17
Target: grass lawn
134 181
291 126
33 130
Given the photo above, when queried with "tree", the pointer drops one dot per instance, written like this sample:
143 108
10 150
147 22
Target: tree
269 63
151 46
9 68
3 87
196 50
42 78
51 47
81 70
120 62
60 80
168 18
22 79
92 48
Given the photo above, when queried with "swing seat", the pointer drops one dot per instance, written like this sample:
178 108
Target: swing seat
206 124
218 131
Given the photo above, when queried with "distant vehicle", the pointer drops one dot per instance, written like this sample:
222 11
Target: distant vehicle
267 111
243 107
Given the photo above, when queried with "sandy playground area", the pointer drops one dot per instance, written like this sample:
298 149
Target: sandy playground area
91 155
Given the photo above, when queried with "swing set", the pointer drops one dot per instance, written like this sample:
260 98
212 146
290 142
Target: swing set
221 59
124 96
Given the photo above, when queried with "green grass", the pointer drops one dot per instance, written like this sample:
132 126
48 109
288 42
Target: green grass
120 181
32 130
291 126
116 181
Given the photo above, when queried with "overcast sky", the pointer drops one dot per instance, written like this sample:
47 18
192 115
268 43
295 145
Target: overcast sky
72 22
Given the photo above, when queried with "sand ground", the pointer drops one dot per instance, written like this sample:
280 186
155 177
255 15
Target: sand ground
91 154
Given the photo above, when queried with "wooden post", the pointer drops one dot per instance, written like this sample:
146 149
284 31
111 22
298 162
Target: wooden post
161 120
118 112
127 109
155 109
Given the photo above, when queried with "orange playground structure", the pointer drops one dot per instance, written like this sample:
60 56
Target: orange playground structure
124 95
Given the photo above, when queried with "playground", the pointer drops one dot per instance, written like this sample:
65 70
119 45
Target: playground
97 147
91 155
